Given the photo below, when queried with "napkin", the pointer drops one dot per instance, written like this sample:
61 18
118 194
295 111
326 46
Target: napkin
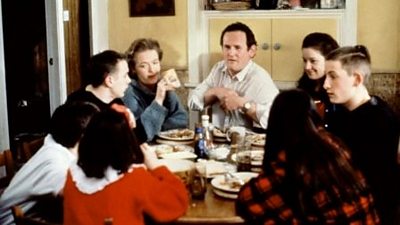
210 168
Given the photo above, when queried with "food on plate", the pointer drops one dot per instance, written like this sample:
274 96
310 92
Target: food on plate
231 182
257 139
179 134
162 149
171 77
256 156
174 151
235 183
218 133
180 148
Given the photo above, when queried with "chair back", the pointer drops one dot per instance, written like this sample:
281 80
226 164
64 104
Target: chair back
6 161
21 219
29 148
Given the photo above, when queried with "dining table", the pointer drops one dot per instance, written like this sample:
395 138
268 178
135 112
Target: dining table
213 209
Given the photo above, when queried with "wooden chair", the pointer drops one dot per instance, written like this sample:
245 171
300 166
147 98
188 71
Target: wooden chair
29 148
6 161
21 219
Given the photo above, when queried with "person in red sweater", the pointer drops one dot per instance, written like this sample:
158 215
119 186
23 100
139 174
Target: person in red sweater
115 179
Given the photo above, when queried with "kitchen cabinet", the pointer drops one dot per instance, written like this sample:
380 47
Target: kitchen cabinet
279 42
286 28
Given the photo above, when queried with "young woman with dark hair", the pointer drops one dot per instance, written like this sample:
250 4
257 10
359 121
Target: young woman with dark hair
307 176
315 47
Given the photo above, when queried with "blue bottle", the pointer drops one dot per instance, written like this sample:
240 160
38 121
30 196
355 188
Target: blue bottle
199 143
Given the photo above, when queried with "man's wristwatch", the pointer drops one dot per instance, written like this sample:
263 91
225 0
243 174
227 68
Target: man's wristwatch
246 107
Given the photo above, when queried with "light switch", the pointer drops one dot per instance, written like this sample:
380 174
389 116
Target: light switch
66 15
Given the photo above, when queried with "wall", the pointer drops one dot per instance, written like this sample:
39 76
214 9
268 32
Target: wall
170 31
379 30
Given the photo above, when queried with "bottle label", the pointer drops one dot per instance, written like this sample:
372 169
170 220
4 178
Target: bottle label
200 149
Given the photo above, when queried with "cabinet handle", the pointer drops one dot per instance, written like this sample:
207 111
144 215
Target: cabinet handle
277 46
265 46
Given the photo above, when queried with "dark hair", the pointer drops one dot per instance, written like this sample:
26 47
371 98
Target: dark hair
69 121
108 142
353 57
294 127
322 42
140 45
100 65
238 26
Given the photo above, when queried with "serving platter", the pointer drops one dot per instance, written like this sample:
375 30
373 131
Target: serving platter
219 182
177 134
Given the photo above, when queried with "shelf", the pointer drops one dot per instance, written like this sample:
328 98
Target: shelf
274 13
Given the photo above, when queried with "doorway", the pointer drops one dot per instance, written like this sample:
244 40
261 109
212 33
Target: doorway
41 64
25 57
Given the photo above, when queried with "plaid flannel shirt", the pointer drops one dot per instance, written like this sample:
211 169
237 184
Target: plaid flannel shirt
260 201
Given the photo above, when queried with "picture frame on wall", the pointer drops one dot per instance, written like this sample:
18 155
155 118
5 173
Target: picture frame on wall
140 8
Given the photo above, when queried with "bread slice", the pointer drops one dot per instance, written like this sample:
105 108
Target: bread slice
171 77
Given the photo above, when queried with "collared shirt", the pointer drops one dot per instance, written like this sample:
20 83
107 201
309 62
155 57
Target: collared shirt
253 82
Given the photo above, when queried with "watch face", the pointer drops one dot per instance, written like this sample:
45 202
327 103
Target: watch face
246 106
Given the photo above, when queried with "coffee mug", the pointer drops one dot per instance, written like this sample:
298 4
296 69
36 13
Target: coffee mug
240 130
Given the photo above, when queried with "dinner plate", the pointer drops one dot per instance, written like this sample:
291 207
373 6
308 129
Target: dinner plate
257 139
256 157
178 155
218 133
169 142
178 165
219 182
225 194
212 168
162 149
177 134
220 152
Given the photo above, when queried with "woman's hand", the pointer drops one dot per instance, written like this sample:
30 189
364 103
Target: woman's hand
162 87
150 157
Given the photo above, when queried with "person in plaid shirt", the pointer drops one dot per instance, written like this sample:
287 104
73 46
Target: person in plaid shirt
307 175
